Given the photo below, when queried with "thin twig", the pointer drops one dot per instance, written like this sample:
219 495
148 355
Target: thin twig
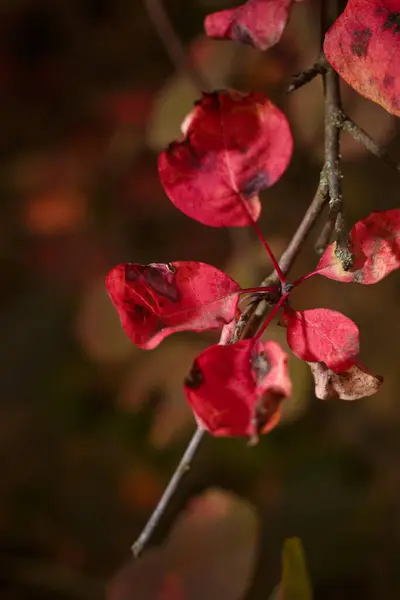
333 112
300 79
361 136
180 471
173 45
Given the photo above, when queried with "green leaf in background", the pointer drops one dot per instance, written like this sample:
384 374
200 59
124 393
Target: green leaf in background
295 583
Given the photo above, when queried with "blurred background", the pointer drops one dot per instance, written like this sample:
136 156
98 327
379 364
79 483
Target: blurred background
91 428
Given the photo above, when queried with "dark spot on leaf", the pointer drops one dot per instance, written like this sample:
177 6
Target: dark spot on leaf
193 154
131 273
212 99
373 81
361 39
392 22
255 184
389 81
141 311
195 378
242 34
162 283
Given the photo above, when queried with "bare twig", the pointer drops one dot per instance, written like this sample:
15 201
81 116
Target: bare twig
173 45
300 79
370 144
169 492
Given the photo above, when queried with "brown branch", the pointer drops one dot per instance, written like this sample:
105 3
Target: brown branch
304 77
173 45
333 112
361 136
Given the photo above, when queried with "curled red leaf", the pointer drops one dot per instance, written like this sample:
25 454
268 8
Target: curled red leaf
352 384
237 390
322 335
156 300
234 146
363 46
376 245
259 23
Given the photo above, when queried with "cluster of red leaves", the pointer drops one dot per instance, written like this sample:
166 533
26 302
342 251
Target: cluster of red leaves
233 146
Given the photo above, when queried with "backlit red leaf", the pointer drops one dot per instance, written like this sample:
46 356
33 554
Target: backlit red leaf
352 384
376 245
322 335
237 390
156 300
259 23
234 146
363 46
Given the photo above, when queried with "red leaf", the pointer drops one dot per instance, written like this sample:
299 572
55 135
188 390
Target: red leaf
363 46
156 300
352 384
234 146
322 335
259 23
236 390
376 244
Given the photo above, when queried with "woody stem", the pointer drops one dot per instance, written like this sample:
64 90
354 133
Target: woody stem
182 468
